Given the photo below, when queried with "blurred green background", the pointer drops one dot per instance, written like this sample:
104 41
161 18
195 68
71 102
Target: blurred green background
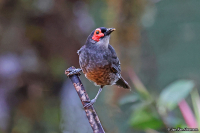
157 42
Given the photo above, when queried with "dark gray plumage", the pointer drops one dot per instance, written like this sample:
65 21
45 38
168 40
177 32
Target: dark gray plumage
99 62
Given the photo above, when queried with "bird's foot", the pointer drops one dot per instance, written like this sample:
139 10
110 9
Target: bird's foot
89 103
73 71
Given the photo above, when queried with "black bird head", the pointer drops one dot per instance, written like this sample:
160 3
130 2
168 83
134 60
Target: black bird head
100 36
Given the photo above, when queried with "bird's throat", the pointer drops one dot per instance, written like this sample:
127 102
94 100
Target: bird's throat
104 42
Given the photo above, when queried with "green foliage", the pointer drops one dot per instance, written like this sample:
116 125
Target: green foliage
144 119
196 104
174 93
153 112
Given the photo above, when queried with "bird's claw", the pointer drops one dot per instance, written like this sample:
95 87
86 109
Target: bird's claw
74 71
89 103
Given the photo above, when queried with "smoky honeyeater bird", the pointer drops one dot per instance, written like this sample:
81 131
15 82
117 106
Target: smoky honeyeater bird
99 62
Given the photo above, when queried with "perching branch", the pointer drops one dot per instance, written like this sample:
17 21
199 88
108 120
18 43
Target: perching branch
90 111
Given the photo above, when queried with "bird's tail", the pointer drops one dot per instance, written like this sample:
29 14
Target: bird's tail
122 83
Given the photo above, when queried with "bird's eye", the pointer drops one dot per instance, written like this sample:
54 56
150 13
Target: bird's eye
97 32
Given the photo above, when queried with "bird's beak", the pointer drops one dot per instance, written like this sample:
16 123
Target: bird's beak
109 30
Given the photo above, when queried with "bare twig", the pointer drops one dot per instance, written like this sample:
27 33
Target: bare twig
90 111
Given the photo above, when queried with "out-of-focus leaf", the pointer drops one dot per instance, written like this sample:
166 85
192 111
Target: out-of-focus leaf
196 105
174 121
174 93
129 99
143 119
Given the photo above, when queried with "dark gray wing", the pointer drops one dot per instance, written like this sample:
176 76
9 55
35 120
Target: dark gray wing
83 59
115 63
115 67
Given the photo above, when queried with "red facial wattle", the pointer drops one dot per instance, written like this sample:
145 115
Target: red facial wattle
96 36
